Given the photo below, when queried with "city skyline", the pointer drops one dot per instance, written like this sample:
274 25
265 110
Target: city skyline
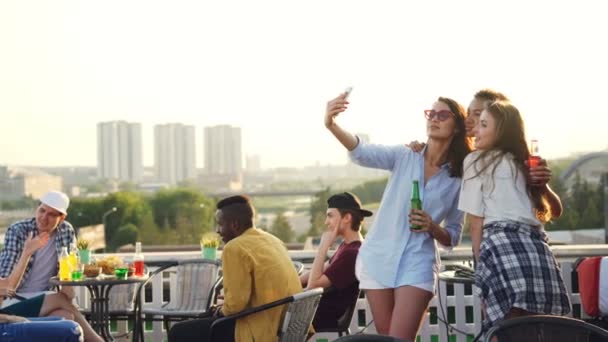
265 67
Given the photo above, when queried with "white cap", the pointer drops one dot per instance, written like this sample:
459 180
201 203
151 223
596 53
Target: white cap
56 200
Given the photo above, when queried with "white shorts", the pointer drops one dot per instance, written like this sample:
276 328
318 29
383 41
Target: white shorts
366 282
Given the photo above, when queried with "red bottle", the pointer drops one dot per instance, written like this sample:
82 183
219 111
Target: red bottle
138 261
534 158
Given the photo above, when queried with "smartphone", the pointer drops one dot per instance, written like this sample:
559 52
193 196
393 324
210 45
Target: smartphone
347 92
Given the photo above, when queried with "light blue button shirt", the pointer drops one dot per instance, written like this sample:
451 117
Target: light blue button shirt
392 254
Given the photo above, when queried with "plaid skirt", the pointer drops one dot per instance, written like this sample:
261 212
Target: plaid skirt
516 268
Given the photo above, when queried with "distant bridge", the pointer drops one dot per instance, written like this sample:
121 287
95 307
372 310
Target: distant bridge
571 170
266 193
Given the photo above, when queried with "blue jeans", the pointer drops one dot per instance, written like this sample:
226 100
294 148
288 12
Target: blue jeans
48 329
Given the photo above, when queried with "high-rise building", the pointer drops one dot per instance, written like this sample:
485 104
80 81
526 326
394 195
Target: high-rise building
174 153
119 151
223 154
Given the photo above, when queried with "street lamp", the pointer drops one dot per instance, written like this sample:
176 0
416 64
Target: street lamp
103 220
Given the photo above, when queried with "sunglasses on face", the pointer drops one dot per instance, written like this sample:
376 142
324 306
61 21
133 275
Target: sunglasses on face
441 115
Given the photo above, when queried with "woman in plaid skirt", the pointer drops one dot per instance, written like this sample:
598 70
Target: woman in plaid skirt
516 271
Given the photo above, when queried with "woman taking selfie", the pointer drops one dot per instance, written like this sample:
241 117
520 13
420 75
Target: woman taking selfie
397 265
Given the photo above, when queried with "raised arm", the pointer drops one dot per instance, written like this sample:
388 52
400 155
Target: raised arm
316 277
334 108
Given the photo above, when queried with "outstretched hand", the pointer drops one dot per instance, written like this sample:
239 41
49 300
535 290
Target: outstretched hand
33 244
335 107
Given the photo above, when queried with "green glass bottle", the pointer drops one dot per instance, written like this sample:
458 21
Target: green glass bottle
416 203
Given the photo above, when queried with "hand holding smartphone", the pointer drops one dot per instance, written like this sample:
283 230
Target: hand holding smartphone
347 92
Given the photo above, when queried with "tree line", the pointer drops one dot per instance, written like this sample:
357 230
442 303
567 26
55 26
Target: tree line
181 216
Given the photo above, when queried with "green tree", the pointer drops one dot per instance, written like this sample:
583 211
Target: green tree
149 233
131 207
23 203
582 202
318 208
281 228
85 211
371 191
189 204
591 217
126 234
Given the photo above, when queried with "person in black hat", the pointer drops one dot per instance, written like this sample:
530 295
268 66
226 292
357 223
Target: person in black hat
343 219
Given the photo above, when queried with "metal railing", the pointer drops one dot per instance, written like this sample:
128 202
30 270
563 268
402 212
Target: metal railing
459 305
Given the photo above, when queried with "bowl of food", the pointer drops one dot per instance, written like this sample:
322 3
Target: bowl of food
109 264
91 270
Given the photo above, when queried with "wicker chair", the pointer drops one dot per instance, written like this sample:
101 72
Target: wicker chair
195 291
298 316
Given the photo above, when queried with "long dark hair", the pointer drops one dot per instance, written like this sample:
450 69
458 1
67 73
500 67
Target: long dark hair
460 145
511 138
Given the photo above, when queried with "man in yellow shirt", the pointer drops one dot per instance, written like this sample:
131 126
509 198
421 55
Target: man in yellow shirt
256 269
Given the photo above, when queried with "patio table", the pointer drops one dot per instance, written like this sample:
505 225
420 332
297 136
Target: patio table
99 289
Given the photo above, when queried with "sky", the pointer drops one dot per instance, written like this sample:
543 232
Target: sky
270 66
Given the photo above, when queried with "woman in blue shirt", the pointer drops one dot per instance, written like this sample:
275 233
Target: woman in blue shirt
397 266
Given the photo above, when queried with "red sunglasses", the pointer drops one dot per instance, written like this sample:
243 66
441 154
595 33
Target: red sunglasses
441 115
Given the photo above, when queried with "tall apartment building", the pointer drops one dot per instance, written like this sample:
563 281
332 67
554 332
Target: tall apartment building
174 153
223 153
119 151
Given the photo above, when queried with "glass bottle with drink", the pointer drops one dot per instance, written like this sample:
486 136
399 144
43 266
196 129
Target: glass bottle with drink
138 261
65 267
73 256
416 203
534 158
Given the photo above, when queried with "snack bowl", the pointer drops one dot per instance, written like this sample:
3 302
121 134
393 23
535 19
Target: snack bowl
91 271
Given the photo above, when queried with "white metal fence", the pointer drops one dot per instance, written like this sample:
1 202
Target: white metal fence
458 301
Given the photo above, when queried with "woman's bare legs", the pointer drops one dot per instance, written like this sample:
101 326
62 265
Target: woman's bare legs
410 305
58 304
381 302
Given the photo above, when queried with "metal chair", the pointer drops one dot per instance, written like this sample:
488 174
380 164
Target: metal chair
343 326
296 321
299 267
544 328
195 291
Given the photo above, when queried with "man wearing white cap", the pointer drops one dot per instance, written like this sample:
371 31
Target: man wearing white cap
30 258
48 225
